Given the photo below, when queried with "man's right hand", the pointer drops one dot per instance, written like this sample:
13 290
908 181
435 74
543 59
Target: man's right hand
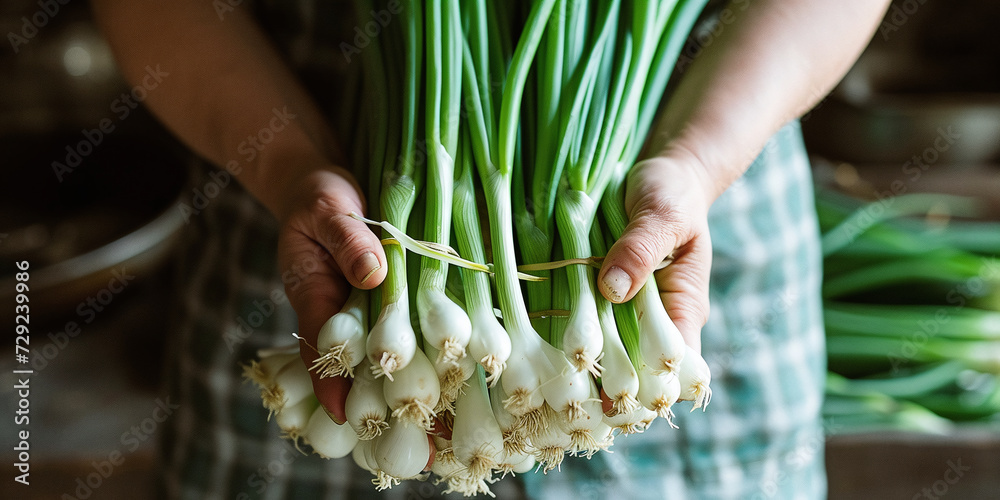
322 253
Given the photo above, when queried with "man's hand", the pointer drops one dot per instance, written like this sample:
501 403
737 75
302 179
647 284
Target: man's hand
323 252
668 215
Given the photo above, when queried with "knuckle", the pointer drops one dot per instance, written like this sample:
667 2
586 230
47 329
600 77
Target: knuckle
663 213
311 287
655 228
640 251
343 240
326 204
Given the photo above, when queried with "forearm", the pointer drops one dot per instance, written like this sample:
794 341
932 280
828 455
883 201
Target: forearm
224 82
771 62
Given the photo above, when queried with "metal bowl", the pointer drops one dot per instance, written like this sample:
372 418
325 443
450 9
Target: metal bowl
116 212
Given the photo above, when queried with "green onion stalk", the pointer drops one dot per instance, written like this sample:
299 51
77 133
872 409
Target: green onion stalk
620 380
581 339
444 324
878 413
660 345
532 361
655 41
911 321
907 384
392 341
540 133
857 351
477 438
945 268
964 405
586 180
489 344
877 213
342 341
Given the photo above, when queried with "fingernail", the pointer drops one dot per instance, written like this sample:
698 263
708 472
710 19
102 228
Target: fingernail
616 284
366 266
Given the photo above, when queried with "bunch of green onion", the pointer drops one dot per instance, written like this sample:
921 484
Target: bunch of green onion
912 313
499 136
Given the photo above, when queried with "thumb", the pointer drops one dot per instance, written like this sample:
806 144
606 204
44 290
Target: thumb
653 234
655 227
355 248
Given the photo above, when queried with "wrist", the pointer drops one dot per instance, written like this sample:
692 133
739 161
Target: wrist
287 174
689 172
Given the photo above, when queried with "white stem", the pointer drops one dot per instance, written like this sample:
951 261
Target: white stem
658 392
291 385
262 372
292 419
550 444
489 343
414 393
516 464
619 380
633 422
267 352
341 340
444 324
515 439
520 381
476 435
465 483
445 464
392 342
327 438
660 342
569 391
581 429
605 434
451 377
360 455
403 450
695 378
366 409
368 449
583 340
525 465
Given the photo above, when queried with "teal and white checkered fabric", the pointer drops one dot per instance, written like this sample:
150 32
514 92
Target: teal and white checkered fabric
760 438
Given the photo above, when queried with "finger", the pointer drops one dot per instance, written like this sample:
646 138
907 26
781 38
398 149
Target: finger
430 459
439 429
355 248
606 403
330 391
683 287
655 226
316 291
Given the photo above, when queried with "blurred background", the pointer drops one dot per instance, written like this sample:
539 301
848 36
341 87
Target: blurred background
905 152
